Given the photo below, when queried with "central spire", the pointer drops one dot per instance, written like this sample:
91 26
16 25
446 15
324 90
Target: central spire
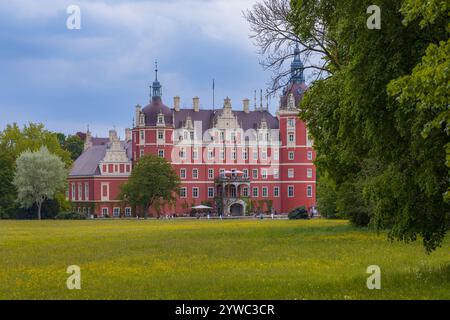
156 87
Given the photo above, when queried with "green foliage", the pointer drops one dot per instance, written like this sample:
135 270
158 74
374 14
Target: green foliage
70 216
14 141
298 213
326 197
7 189
151 182
32 137
74 145
385 153
39 176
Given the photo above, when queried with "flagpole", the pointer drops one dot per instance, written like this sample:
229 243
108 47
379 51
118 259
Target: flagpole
213 95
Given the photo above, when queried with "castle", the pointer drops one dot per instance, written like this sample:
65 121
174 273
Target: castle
237 162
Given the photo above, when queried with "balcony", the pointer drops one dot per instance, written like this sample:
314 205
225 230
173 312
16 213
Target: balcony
232 179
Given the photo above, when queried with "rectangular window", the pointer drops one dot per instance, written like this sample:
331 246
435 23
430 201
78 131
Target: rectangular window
291 137
161 135
291 155
86 191
116 211
73 192
210 154
310 155
195 192
245 191
183 192
183 173
255 192
222 172
142 136
182 153
210 173
233 154
291 123
264 173
290 173
127 212
265 192
276 173
105 212
276 154
141 153
309 191
255 154
290 191
245 173
161 153
245 154
195 154
210 192
309 173
276 192
264 154
194 173
80 191
222 154
191 135
255 173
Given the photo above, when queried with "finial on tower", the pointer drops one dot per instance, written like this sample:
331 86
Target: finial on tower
156 70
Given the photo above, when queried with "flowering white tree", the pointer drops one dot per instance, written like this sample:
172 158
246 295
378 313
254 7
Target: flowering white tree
39 175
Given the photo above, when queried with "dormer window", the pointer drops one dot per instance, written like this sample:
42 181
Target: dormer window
161 119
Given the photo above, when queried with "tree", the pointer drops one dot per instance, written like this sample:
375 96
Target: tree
276 36
7 190
32 137
371 144
14 141
74 145
39 176
152 180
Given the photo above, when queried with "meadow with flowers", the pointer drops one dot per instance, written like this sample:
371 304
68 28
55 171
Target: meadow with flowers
206 259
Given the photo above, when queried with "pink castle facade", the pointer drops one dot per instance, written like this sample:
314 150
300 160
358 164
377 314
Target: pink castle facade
236 161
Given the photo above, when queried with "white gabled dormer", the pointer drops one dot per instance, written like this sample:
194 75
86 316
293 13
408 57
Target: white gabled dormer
115 161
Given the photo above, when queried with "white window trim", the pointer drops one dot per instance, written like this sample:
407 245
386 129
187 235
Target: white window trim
309 187
278 190
293 192
116 209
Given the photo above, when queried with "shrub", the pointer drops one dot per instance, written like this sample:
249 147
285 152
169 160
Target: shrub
70 216
298 213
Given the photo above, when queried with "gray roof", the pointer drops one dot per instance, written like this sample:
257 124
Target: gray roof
249 120
87 163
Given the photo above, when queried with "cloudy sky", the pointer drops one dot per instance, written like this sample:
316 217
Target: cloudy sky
67 79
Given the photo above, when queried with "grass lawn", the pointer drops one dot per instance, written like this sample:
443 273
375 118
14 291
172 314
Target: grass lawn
200 259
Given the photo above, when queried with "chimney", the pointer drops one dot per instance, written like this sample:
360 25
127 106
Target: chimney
176 103
88 140
246 105
196 101
137 116
127 134
112 135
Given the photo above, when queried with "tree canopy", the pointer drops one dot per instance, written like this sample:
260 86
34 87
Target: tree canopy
39 176
152 180
380 118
